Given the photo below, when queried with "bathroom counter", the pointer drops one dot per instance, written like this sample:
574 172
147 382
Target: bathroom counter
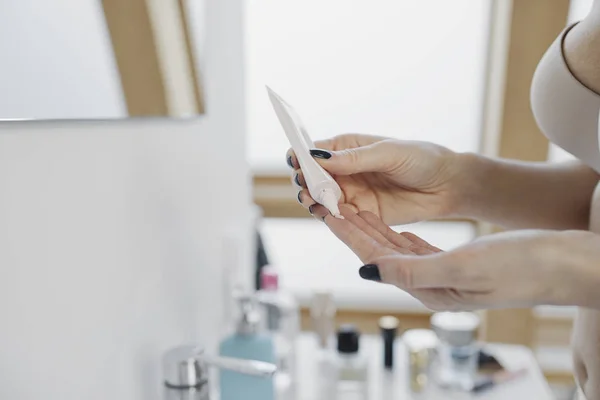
394 384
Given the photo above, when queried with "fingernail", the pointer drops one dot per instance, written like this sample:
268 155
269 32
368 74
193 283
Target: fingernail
310 210
289 161
299 199
318 153
297 180
370 272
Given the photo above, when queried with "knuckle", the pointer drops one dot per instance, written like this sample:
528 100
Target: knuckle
351 155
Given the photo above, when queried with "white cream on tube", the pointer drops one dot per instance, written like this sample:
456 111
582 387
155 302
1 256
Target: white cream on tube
321 186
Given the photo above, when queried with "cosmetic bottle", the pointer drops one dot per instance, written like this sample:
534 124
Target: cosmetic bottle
250 343
388 327
351 366
282 320
419 345
322 314
457 350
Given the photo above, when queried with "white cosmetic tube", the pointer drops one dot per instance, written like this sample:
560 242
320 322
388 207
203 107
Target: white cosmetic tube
321 186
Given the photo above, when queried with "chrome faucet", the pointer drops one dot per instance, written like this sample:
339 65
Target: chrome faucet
186 374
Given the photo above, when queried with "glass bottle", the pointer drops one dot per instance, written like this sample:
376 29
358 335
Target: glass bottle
420 346
351 366
282 318
457 350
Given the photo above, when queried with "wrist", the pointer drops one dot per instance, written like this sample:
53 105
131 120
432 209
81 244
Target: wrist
578 270
469 197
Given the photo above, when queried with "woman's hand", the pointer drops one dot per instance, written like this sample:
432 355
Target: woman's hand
505 270
398 181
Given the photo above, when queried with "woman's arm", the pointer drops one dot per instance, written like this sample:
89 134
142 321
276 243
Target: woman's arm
521 195
530 195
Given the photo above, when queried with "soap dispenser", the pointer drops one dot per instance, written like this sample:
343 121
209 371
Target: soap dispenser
250 343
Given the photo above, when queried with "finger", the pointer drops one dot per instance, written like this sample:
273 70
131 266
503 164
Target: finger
291 160
391 235
318 211
324 145
363 245
339 142
397 239
375 157
423 272
418 241
363 225
298 179
347 141
305 199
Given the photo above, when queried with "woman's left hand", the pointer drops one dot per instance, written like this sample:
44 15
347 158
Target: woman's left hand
504 270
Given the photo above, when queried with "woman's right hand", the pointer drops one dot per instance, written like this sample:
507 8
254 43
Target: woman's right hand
399 181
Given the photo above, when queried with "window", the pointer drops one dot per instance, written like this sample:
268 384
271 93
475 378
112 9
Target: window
407 69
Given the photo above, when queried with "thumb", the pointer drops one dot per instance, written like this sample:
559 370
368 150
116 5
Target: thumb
415 272
371 158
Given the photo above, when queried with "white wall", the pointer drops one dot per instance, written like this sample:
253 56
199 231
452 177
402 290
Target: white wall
57 61
110 237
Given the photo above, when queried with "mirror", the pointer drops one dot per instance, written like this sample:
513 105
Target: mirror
91 59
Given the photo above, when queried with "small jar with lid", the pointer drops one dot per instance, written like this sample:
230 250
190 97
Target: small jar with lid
457 350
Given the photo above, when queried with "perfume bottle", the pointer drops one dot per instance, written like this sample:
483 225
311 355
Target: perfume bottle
457 351
282 318
351 366
419 345
250 343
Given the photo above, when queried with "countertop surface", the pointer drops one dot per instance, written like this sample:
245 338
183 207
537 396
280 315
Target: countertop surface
393 384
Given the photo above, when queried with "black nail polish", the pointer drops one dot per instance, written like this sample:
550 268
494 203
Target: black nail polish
299 199
318 153
370 272
310 210
289 161
297 180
